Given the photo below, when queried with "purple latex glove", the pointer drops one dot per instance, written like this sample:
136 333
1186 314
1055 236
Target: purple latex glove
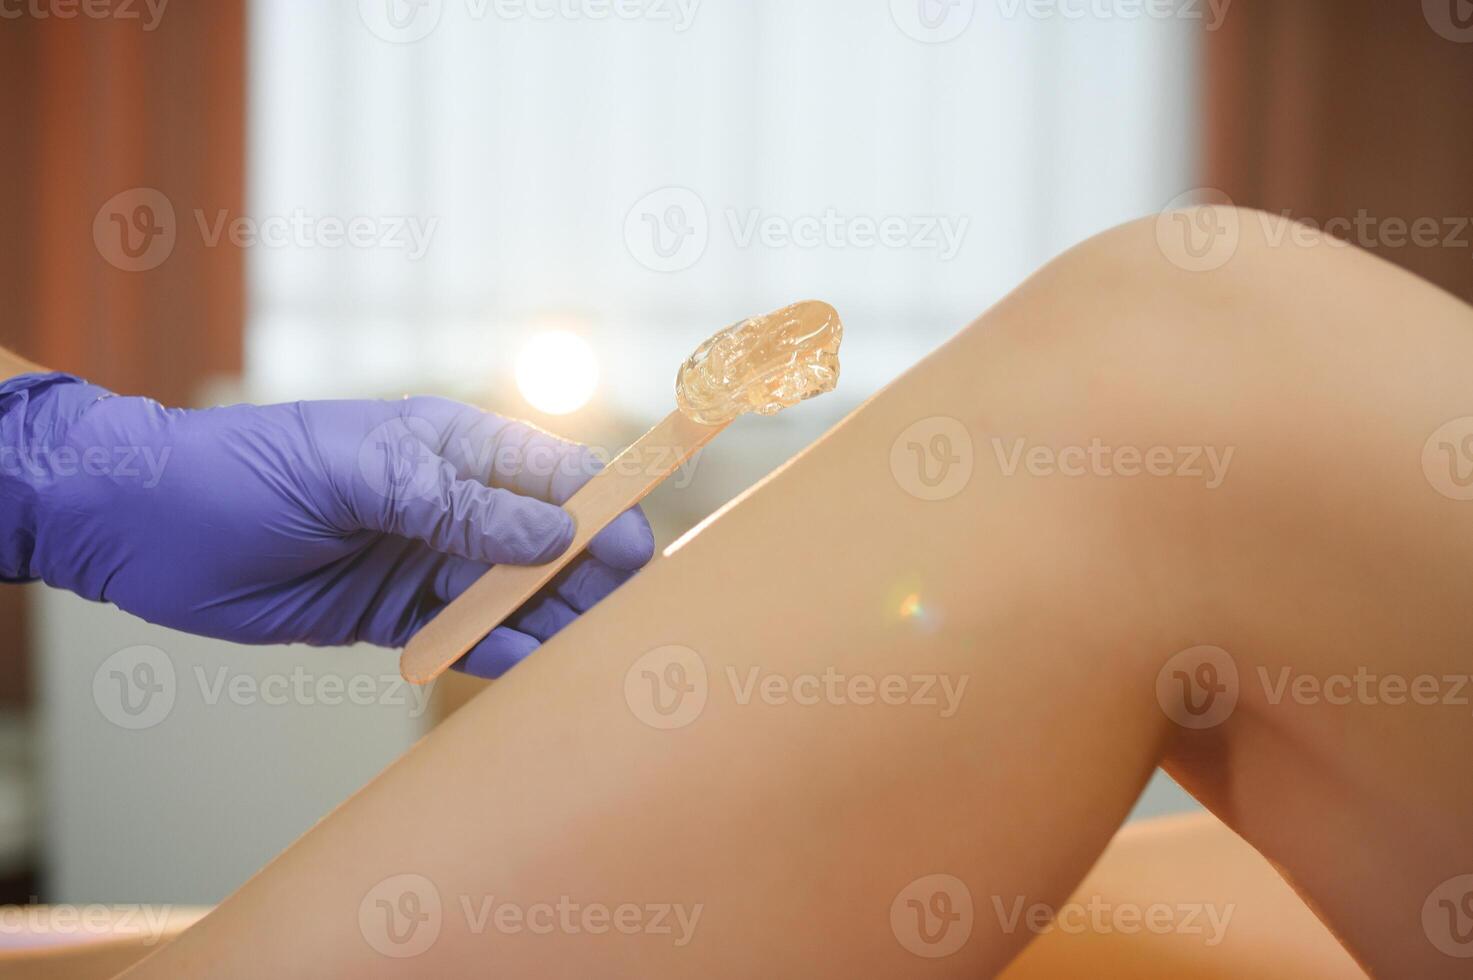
315 522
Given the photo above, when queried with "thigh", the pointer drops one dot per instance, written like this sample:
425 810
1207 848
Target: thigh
1179 896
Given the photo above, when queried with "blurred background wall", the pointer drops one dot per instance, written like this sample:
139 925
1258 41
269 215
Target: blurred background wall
376 197
95 109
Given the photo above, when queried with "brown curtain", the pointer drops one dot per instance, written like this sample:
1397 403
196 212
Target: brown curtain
97 107
1331 108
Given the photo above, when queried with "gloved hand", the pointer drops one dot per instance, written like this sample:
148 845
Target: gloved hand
316 522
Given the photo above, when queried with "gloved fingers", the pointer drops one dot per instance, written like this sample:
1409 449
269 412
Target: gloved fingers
627 543
584 582
500 651
520 457
465 518
544 465
454 575
572 592
587 581
542 617
502 452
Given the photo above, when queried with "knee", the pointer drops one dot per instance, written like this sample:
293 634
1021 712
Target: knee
1168 292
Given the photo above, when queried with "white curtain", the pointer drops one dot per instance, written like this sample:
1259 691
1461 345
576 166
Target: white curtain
523 141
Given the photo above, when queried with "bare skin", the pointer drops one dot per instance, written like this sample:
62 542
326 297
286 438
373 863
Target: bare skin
1182 896
793 829
1171 897
13 365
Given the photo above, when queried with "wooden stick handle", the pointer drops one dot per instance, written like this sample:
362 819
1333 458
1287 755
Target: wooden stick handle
626 481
